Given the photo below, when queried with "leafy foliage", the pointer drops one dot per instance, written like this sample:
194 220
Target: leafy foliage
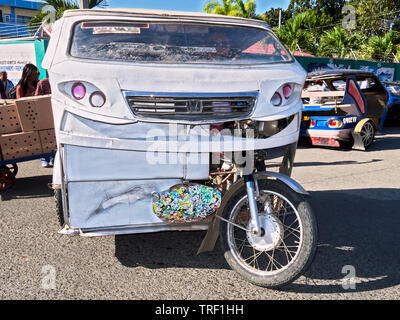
315 26
294 32
382 48
48 7
339 43
236 8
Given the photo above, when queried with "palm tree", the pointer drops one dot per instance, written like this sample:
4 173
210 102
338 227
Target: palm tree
236 8
58 7
247 10
338 43
295 35
382 48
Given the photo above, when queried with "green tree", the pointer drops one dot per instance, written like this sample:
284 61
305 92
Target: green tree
247 9
330 9
272 16
382 48
375 18
236 8
294 32
338 43
329 13
59 6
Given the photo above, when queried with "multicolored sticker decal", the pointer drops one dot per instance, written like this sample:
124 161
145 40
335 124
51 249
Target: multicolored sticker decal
186 203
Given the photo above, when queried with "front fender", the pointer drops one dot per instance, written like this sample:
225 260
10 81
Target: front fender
284 178
211 237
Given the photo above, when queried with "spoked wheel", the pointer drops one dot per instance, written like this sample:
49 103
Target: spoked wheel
288 237
367 134
7 179
13 167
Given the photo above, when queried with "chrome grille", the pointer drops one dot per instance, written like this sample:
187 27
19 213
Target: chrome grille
188 106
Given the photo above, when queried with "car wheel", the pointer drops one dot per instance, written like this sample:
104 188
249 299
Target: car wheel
367 134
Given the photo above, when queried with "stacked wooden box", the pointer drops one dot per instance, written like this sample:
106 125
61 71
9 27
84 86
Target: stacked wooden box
26 127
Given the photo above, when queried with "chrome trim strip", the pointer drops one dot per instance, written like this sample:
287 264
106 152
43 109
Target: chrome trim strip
128 94
132 229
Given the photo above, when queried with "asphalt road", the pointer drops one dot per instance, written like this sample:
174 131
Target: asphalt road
355 196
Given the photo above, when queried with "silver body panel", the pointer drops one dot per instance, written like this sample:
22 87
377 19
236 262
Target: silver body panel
106 153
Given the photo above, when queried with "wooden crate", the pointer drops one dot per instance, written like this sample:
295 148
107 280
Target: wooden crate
48 140
35 113
20 145
9 119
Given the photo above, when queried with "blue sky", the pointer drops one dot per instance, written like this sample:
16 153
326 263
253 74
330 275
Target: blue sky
187 5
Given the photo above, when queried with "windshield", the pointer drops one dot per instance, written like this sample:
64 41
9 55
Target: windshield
394 89
176 43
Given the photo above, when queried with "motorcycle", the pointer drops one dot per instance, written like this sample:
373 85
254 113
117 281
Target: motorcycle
168 121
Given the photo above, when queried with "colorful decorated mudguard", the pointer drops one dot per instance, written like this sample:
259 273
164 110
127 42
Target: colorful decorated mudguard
186 203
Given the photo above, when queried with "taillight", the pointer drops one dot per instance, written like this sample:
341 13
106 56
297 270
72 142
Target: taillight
312 123
97 99
334 123
276 99
287 91
78 90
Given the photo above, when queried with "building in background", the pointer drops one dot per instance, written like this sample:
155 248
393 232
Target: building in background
14 15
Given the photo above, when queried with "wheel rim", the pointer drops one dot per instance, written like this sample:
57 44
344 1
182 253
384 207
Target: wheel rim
257 255
6 180
13 168
367 134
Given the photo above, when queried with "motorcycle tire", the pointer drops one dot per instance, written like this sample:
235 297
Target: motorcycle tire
287 244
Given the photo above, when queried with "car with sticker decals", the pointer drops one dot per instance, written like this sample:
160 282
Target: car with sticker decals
393 89
343 108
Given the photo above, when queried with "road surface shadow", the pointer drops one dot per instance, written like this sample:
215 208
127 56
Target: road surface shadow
357 228
167 250
358 231
333 163
29 187
383 142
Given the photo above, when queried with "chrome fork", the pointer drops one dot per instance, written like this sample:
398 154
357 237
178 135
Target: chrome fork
252 194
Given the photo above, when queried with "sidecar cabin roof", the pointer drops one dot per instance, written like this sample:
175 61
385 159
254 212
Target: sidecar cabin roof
161 13
324 74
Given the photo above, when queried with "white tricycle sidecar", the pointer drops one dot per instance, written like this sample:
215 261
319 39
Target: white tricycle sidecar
166 120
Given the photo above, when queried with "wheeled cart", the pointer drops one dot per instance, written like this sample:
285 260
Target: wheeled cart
9 169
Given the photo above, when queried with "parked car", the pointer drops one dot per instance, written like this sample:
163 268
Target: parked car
343 108
393 89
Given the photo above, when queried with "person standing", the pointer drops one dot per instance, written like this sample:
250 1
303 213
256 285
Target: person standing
2 91
26 87
7 84
43 87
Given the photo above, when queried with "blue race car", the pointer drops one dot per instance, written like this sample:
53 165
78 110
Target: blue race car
393 89
343 108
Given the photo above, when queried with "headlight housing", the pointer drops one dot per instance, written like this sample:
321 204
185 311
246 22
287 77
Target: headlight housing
84 93
286 95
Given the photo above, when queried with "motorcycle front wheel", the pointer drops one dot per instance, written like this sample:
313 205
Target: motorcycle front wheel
287 243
